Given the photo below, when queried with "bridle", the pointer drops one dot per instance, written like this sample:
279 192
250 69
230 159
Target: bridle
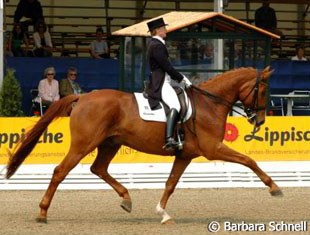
251 111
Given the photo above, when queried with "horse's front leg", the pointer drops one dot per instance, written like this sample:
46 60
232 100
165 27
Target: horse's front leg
224 153
179 166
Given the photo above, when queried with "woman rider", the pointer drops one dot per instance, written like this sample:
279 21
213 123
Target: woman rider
163 77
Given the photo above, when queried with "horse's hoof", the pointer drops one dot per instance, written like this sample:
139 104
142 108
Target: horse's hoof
41 220
126 205
277 193
169 221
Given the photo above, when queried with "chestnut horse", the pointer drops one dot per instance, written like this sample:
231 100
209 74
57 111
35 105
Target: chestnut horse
108 119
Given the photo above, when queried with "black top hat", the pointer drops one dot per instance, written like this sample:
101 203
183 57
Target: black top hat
154 24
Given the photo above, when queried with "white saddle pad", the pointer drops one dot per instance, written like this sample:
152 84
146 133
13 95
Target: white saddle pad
158 115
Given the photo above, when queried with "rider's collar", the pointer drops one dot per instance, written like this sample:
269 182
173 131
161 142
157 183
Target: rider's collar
160 39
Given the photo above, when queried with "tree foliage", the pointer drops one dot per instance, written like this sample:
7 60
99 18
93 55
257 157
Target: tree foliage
10 96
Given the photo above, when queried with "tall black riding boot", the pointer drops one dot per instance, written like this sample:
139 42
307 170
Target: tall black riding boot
172 118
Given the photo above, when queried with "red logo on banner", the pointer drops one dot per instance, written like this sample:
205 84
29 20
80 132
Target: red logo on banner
231 132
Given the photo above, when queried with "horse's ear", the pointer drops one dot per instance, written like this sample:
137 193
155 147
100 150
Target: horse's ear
266 69
267 73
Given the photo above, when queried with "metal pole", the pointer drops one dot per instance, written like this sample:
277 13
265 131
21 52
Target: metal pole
218 44
107 18
1 43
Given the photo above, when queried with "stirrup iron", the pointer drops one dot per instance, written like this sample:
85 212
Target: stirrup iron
171 144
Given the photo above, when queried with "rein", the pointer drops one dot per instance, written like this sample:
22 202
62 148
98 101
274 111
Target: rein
250 111
218 99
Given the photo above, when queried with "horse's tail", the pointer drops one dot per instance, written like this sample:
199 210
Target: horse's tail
61 108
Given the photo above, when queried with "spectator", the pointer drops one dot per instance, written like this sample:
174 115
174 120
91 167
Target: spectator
300 54
28 12
265 18
48 87
17 38
68 85
42 41
99 47
206 53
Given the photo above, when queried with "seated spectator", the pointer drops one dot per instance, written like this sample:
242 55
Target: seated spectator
28 12
43 46
16 40
48 87
99 47
206 53
300 54
68 85
265 18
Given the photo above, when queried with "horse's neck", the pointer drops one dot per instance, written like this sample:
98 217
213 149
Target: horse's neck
225 89
212 101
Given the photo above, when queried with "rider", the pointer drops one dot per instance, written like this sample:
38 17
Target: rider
163 77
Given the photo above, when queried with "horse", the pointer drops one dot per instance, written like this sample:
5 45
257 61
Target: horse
108 119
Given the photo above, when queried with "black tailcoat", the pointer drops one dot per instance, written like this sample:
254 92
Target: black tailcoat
158 58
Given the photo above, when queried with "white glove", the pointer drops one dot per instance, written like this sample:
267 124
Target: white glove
186 82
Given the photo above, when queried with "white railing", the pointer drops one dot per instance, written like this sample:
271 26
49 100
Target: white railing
154 175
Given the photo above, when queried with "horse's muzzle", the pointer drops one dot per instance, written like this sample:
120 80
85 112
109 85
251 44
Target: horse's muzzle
259 123
255 120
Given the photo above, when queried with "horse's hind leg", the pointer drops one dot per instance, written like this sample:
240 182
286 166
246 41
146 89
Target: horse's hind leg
61 171
106 153
226 154
178 168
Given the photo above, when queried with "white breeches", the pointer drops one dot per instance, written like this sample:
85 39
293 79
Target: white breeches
168 94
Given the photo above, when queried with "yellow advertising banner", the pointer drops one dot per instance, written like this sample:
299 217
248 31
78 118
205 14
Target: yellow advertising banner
279 139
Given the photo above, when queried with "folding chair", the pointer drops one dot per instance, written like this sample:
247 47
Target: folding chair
302 100
276 104
36 101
